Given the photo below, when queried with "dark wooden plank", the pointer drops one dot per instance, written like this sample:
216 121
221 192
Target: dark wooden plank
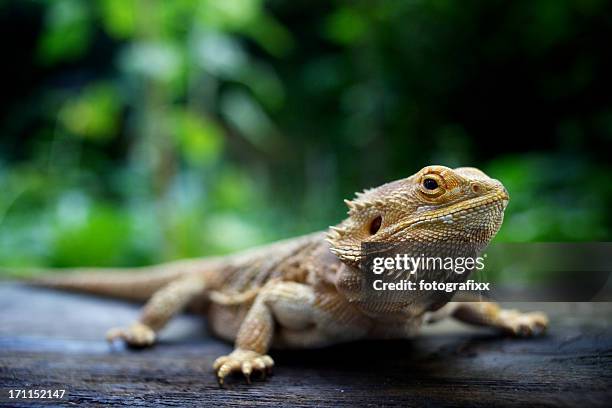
54 340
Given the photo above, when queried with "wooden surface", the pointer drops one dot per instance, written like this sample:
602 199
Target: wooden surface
54 340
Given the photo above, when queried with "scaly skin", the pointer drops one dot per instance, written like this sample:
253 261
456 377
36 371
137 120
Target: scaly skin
309 291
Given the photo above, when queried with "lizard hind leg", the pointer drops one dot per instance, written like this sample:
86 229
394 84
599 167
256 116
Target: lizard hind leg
161 307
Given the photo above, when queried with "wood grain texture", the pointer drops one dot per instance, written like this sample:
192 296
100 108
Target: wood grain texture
55 340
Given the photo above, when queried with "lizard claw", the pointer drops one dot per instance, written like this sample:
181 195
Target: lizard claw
137 335
523 324
244 361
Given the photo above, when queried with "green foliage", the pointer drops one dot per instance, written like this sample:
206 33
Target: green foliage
546 205
119 17
94 114
67 31
144 131
200 139
77 224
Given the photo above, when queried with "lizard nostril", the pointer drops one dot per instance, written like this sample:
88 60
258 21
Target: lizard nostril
476 188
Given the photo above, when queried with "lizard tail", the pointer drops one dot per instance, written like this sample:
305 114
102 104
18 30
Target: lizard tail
136 284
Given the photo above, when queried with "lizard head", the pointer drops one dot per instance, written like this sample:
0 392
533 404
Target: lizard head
437 204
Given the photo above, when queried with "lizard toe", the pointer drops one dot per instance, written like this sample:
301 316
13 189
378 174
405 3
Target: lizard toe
260 366
137 335
525 324
219 362
242 361
247 369
226 369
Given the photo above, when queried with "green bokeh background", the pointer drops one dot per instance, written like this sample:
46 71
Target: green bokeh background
135 132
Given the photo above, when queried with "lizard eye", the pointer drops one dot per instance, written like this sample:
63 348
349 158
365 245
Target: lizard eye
430 184
375 225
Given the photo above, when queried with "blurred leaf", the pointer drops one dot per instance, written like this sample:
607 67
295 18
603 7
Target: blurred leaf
271 35
234 191
247 17
200 139
219 54
237 232
99 241
119 17
346 26
94 114
222 56
187 235
157 60
265 84
230 14
246 115
67 31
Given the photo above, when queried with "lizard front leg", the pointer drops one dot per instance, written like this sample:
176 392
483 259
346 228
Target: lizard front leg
297 316
491 314
163 305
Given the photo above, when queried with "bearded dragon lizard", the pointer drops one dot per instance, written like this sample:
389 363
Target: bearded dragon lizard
309 291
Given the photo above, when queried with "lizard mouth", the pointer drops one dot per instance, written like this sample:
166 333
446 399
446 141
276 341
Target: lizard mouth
497 201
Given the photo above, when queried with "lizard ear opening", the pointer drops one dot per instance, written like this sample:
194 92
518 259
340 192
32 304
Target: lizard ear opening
375 225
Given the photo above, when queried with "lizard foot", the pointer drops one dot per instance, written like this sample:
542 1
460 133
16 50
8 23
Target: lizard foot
137 335
244 361
523 324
